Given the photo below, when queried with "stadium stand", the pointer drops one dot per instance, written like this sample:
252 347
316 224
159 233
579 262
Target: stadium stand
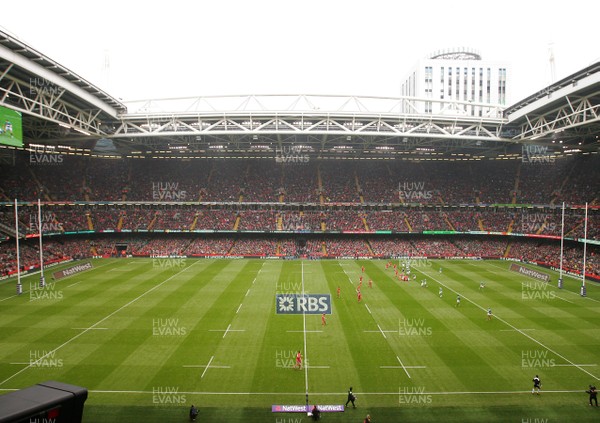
135 201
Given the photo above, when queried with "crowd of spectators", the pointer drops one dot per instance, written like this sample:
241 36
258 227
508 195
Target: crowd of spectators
76 178
530 250
387 220
216 219
65 218
336 188
288 248
344 220
209 246
392 247
136 219
258 220
347 247
300 221
426 196
163 247
174 219
261 184
254 247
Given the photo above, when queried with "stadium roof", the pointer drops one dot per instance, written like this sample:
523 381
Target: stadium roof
567 111
49 94
62 109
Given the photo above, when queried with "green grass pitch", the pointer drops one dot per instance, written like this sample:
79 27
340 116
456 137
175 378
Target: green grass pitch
149 337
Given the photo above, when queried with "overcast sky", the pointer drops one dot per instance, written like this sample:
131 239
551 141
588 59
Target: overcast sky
161 49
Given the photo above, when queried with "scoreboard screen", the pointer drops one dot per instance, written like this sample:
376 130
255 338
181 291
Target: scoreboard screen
11 128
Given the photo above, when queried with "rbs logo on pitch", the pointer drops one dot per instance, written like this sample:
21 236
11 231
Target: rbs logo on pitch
303 304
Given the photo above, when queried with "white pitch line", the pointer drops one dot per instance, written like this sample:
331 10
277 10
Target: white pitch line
518 330
207 366
68 341
576 365
319 367
368 309
247 292
238 309
73 284
404 367
347 275
89 328
226 330
304 329
381 330
12 296
134 392
561 298
512 330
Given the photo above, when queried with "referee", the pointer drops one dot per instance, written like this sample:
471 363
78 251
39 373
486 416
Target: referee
351 398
